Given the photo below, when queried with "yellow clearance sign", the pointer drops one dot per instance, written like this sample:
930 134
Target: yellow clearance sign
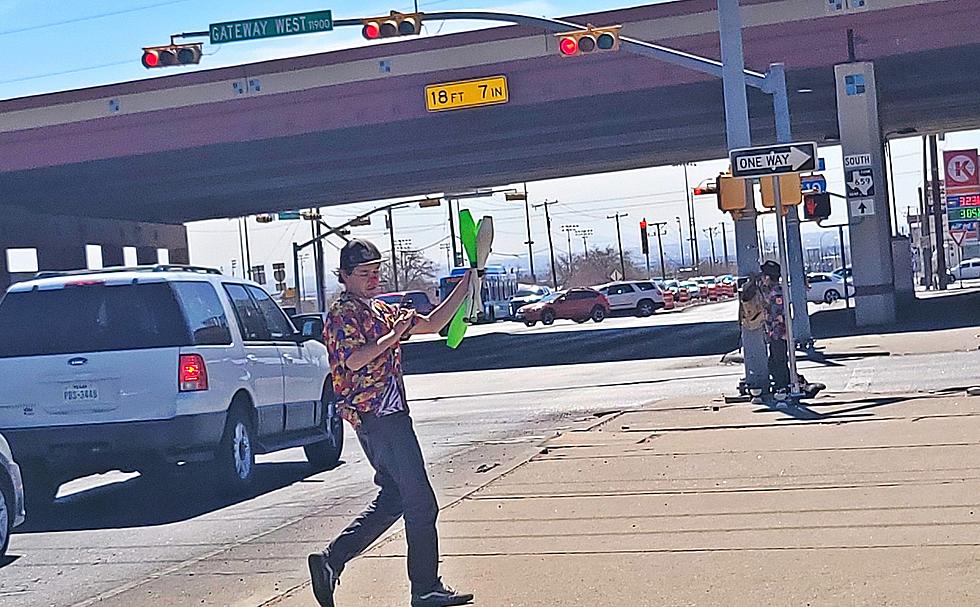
466 93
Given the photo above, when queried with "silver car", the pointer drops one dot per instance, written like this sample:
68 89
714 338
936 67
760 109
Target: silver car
11 495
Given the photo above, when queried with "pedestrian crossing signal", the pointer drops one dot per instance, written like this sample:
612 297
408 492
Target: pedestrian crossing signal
816 206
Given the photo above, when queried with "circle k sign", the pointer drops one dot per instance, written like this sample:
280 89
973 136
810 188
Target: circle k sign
961 168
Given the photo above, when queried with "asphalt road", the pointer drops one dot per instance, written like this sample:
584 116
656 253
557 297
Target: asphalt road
112 537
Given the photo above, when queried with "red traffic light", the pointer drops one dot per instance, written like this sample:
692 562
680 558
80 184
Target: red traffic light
643 224
699 191
396 24
151 59
568 46
173 54
371 30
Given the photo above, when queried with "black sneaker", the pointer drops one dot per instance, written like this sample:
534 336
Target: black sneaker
324 579
441 596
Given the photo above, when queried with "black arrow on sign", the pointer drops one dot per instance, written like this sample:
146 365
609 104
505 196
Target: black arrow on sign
862 208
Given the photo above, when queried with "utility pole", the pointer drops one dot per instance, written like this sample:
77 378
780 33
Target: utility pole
680 239
711 234
937 214
394 259
248 251
551 244
724 242
452 233
661 231
321 304
449 262
585 234
619 237
569 229
530 242
692 223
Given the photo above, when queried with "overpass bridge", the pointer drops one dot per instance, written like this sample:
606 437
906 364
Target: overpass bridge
351 125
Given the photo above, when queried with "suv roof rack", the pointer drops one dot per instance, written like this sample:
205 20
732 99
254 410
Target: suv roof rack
153 268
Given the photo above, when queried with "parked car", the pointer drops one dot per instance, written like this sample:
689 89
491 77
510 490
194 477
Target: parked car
642 297
693 288
11 495
578 304
143 368
843 272
824 287
416 300
967 269
527 294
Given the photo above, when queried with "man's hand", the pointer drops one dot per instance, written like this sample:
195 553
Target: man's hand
406 320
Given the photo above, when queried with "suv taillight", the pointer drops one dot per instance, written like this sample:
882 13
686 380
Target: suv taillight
193 375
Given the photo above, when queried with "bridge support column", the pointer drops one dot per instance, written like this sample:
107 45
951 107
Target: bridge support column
867 197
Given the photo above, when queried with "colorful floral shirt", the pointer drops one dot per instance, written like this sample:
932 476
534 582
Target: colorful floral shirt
775 317
377 388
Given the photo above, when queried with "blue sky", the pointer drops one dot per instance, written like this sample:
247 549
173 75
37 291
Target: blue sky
62 45
59 45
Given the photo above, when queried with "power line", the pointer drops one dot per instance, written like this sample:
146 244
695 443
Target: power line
66 72
124 11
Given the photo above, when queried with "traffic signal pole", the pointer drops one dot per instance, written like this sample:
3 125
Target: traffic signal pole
794 242
740 136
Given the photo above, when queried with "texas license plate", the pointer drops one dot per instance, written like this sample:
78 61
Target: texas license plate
75 393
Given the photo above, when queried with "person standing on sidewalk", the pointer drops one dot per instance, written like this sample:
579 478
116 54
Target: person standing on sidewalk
762 303
363 337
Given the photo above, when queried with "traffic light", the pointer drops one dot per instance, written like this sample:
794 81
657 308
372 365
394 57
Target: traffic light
789 186
265 218
172 54
644 243
816 206
589 40
731 193
396 24
711 187
430 202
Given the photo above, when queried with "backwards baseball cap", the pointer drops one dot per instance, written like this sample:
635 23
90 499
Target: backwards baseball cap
770 269
358 252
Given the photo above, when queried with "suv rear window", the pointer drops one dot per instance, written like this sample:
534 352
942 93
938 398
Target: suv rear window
91 318
205 315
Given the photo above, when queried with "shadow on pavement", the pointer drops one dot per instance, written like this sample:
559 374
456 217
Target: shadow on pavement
948 311
142 502
555 347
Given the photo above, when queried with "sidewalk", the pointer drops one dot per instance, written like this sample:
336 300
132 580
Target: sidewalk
856 500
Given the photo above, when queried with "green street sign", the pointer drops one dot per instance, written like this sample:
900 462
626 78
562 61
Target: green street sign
271 27
287 215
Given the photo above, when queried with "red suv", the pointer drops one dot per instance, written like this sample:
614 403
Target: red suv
577 304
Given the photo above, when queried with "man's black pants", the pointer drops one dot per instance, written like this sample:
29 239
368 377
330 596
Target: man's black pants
779 364
391 446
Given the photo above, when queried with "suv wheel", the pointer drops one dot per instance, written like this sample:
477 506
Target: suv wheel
235 461
6 518
548 317
598 314
645 308
326 453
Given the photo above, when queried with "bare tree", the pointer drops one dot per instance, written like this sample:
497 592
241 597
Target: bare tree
416 272
594 268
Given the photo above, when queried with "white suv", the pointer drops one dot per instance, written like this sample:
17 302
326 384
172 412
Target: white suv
642 296
144 368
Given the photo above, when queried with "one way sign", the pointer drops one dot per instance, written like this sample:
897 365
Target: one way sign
773 159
